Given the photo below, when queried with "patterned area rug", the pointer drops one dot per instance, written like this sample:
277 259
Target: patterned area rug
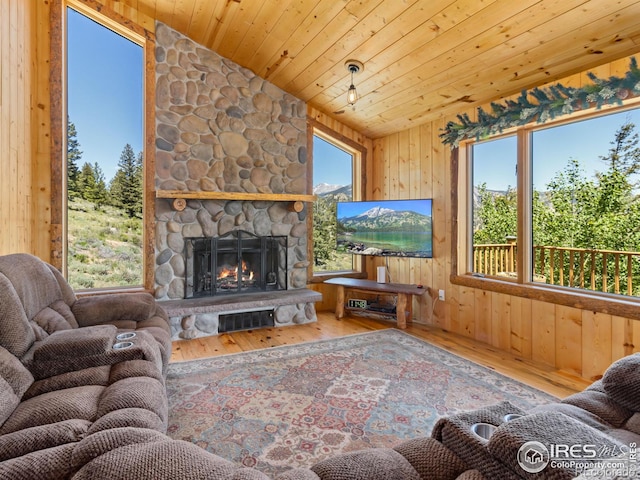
293 406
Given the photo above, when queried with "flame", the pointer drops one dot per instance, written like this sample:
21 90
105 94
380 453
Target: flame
233 272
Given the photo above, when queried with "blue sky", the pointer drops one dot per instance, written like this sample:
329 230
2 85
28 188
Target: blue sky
330 164
585 141
105 92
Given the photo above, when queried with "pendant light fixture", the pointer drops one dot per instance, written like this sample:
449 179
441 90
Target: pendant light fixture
353 67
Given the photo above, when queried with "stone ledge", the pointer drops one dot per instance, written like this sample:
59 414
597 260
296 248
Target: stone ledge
229 303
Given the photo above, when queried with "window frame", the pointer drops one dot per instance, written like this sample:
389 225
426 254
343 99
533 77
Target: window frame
359 154
522 285
58 84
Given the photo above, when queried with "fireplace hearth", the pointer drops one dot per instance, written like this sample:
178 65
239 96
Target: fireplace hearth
238 262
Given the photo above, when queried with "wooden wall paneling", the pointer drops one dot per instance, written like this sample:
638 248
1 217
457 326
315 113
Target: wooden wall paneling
17 83
482 310
621 337
24 153
375 181
520 325
441 195
596 344
466 311
328 302
404 265
16 148
376 173
543 332
635 327
415 179
425 190
569 339
5 121
41 132
392 192
8 40
501 321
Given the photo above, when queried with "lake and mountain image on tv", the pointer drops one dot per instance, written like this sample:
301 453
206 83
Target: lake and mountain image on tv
400 228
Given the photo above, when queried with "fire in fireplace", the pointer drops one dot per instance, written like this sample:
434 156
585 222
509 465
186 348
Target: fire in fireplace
238 262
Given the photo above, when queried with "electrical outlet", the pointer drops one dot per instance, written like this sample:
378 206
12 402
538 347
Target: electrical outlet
441 295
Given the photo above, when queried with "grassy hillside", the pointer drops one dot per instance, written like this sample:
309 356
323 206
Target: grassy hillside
105 247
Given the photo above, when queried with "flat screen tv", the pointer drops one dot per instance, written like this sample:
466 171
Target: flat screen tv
397 228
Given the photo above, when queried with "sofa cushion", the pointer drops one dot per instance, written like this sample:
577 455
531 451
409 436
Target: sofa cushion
129 417
431 459
547 428
86 376
35 284
372 464
621 381
54 317
49 464
15 379
110 308
8 400
32 439
128 453
71 403
135 368
15 374
135 392
92 446
78 343
16 335
633 424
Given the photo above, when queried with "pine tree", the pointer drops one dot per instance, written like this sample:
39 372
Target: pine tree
73 157
91 184
126 188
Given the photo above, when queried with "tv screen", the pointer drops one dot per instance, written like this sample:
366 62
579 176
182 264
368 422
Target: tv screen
399 228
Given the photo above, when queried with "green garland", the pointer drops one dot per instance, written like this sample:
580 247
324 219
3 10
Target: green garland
547 103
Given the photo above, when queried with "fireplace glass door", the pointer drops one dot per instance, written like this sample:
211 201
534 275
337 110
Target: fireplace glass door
239 262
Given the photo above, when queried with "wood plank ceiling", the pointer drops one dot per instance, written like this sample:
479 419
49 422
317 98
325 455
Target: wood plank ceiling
422 58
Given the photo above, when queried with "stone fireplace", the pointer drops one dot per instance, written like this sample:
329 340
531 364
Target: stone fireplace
238 262
231 149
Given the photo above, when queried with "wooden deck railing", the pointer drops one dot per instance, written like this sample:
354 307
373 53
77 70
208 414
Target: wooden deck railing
611 271
494 259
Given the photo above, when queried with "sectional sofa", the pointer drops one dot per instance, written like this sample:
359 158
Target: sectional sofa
82 396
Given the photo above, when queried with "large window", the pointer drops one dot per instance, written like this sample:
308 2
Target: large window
104 167
559 205
334 164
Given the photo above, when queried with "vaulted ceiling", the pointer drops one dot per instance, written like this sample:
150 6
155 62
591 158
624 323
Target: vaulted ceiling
422 58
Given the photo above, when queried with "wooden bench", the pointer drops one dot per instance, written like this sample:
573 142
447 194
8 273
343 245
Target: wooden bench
402 291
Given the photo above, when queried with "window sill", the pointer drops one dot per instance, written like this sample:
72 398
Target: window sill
321 277
92 292
593 301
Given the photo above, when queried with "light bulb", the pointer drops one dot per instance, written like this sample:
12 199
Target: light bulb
352 95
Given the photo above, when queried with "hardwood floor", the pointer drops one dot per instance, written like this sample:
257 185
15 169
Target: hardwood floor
552 381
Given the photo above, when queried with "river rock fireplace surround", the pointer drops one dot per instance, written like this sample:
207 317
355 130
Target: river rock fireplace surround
231 153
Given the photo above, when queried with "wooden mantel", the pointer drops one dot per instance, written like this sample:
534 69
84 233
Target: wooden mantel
181 195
